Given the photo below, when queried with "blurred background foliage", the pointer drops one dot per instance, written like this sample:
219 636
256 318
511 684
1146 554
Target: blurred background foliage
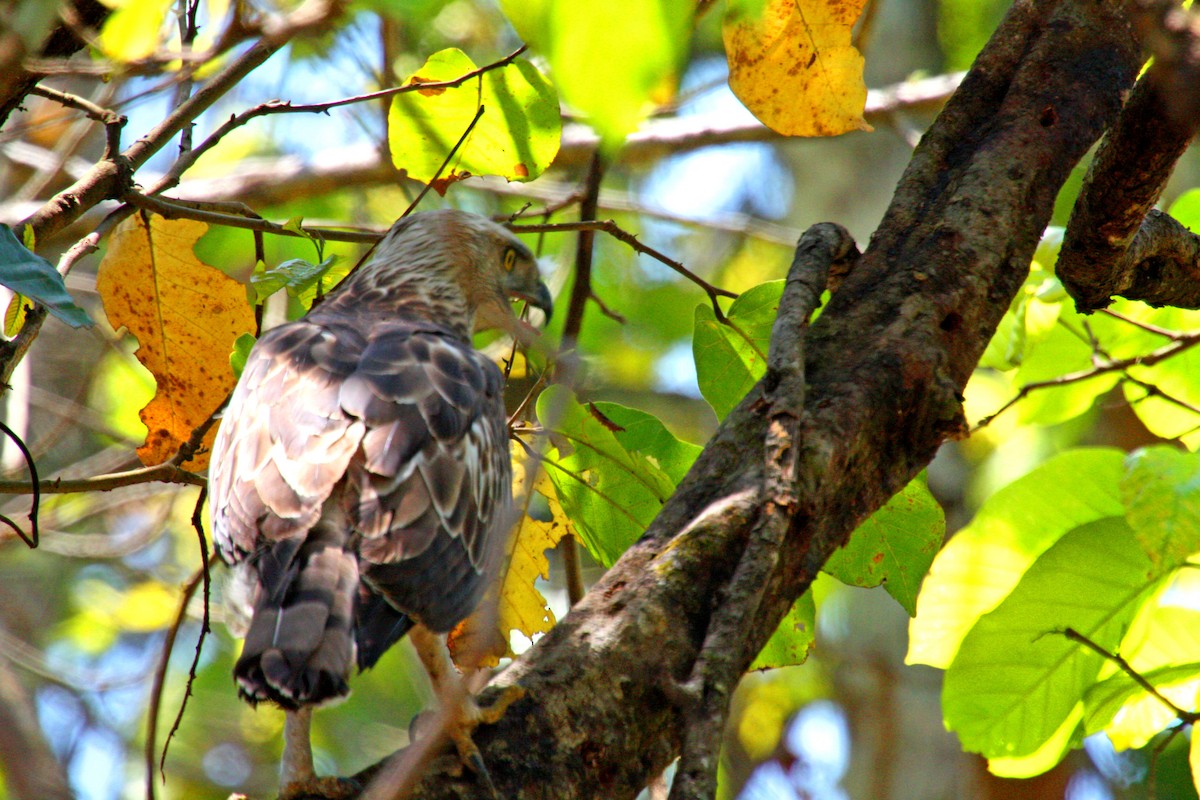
83 618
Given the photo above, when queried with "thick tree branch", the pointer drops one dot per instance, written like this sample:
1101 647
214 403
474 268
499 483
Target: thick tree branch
885 367
825 252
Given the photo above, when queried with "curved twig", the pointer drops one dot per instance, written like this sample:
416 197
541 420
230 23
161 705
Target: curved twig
32 538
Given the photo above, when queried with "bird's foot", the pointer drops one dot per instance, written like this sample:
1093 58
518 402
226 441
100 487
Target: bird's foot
470 716
320 789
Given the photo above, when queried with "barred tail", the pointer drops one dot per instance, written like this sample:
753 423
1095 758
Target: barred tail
300 645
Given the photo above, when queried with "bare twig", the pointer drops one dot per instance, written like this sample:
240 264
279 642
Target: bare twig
32 538
445 162
581 292
617 232
1180 343
206 562
172 209
1188 717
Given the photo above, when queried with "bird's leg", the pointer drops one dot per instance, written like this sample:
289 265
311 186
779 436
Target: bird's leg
297 765
298 778
462 713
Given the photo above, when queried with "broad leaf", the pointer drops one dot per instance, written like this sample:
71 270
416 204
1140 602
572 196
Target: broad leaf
1017 678
986 559
731 358
1161 490
795 68
613 61
612 468
516 137
793 638
895 546
186 316
36 278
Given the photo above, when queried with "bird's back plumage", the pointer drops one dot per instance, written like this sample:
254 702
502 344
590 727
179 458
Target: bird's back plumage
360 478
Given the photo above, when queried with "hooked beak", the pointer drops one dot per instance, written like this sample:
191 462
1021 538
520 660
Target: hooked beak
537 296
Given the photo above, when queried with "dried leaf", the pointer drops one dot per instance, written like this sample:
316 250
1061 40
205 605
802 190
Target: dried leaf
795 68
186 316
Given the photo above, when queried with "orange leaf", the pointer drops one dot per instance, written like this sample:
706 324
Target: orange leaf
795 68
186 316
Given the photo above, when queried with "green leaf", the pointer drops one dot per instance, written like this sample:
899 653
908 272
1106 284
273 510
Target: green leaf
791 641
35 278
984 561
1161 490
299 277
895 546
1061 351
1163 646
730 359
1017 678
241 352
517 137
611 478
14 315
612 61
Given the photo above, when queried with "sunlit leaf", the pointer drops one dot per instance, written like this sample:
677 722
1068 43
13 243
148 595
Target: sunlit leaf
133 31
984 561
894 546
241 352
14 315
1161 490
1066 738
795 68
517 137
793 638
612 468
1016 678
186 316
34 277
731 358
641 44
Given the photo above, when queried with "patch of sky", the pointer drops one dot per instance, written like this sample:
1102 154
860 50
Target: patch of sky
712 182
342 72
675 371
819 740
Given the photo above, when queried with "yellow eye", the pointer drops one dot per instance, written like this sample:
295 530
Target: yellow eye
510 259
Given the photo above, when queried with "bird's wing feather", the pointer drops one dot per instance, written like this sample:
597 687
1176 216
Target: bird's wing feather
285 440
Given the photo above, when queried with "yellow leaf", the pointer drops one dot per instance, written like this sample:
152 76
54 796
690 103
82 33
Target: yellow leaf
186 316
795 68
133 31
483 638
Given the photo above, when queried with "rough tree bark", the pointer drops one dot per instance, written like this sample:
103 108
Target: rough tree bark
885 365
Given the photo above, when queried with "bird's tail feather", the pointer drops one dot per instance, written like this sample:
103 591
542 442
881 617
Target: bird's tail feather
300 645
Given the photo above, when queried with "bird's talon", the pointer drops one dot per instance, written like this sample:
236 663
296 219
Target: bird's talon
475 762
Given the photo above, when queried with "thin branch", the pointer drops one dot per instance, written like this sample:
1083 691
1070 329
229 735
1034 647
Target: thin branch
206 562
445 162
581 292
160 677
1181 343
32 538
174 209
1188 717
617 232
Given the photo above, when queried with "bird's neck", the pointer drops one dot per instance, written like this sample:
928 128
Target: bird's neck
412 294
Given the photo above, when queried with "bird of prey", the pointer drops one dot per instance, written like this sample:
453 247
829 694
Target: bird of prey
360 481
